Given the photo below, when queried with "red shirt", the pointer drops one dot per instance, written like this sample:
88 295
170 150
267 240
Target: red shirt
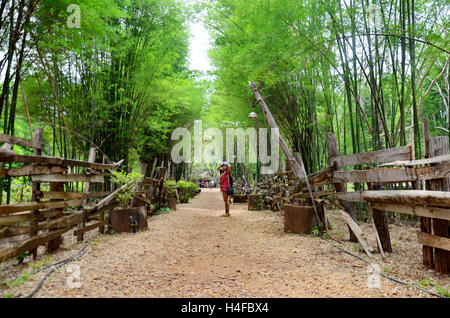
223 181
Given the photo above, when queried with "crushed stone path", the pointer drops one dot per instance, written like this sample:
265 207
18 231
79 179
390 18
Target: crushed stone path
193 252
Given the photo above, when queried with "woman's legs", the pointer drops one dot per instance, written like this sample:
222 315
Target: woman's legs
227 203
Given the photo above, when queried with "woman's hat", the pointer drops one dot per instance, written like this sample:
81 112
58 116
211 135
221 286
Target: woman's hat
224 163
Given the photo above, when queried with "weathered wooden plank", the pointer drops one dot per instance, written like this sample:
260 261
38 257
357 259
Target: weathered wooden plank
432 212
14 219
31 170
380 156
316 194
27 217
108 198
71 195
433 240
437 159
358 232
383 175
21 141
6 157
89 228
68 178
434 172
350 196
93 211
409 197
30 244
145 200
29 206
11 231
63 222
317 179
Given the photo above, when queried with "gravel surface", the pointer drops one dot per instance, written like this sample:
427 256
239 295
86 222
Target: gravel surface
193 252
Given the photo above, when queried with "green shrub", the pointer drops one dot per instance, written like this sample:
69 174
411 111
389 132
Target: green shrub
129 181
187 188
171 187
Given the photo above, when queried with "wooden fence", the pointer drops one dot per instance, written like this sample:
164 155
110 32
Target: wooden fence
388 180
399 184
57 208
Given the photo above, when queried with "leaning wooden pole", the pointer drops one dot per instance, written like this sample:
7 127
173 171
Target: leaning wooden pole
296 165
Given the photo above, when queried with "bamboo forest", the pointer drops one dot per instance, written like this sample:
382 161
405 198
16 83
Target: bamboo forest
224 149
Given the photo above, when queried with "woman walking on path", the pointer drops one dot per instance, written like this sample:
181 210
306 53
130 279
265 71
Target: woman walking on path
225 185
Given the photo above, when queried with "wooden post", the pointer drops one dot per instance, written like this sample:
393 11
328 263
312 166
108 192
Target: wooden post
54 244
440 146
138 187
36 187
161 186
101 229
340 187
425 223
381 223
296 163
293 164
87 186
299 159
153 167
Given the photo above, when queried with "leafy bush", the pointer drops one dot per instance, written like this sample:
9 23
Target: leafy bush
187 189
171 187
193 187
128 181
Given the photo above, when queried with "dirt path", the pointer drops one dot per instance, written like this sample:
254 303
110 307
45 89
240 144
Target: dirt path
193 252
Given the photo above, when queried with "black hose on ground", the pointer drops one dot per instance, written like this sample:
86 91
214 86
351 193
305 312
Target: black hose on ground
386 276
57 265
